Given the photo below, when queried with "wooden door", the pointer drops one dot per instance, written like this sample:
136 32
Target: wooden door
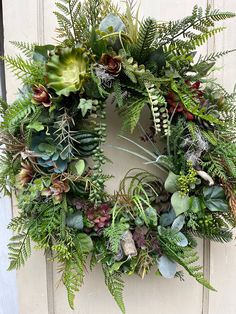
38 289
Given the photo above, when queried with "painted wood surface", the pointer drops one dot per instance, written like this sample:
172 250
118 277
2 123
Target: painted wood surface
39 293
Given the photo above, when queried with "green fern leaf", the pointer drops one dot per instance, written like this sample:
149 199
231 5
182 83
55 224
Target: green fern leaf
146 36
114 234
118 93
186 257
73 276
17 113
115 286
26 48
130 114
19 250
217 235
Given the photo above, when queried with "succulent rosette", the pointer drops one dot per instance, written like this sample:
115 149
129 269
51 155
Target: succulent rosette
41 95
54 136
67 70
112 64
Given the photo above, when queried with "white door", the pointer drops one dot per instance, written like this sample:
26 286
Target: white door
8 289
38 290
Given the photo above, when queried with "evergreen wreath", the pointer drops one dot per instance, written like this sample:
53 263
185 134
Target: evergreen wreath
52 141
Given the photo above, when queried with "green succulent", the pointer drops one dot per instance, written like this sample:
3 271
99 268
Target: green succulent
67 70
51 156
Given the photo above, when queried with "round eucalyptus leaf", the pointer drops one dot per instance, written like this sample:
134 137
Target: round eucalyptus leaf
167 219
166 267
180 203
75 221
182 240
171 183
178 223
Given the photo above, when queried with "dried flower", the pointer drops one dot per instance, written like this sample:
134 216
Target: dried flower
26 173
41 95
111 64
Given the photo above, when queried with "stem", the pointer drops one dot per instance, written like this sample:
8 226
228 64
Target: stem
72 21
63 217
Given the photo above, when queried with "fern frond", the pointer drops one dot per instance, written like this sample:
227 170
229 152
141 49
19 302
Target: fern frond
28 71
19 250
146 36
68 20
216 169
3 106
212 57
191 105
17 113
118 93
203 22
26 48
186 257
130 114
217 235
114 234
7 174
159 109
72 277
115 286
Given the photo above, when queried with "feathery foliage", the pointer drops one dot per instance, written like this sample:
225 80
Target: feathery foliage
115 286
130 114
186 257
17 113
28 72
214 234
72 277
146 36
26 48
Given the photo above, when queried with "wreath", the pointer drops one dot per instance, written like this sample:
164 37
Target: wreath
53 136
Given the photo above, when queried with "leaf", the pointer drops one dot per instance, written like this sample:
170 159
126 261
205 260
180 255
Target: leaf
180 203
84 242
78 167
37 126
116 266
115 285
167 219
171 183
41 53
214 198
156 60
151 215
111 21
181 239
196 204
85 105
167 267
75 221
178 223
